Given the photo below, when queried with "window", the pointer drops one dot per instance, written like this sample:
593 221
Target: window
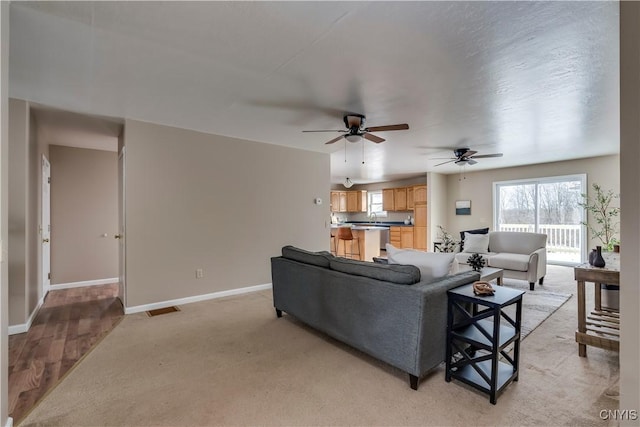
375 204
549 206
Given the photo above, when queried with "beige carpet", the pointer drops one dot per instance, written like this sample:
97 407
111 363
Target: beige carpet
232 362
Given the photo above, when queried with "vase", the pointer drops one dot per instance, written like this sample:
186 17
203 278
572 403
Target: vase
598 261
592 256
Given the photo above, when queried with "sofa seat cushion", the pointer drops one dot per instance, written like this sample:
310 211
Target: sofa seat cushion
433 266
400 274
463 257
506 261
320 259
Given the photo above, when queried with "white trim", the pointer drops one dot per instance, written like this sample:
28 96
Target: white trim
197 298
9 422
85 283
24 327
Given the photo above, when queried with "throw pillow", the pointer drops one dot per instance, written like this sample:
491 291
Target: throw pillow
476 243
475 231
432 265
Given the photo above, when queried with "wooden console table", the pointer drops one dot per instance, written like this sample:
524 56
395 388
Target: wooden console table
601 328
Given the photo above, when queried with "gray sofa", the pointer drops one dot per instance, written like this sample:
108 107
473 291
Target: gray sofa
382 310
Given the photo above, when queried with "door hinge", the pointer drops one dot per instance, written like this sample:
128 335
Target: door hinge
49 180
49 276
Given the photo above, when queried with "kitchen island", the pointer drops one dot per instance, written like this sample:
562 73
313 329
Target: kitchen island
368 241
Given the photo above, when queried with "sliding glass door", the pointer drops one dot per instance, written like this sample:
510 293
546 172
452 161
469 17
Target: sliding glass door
545 205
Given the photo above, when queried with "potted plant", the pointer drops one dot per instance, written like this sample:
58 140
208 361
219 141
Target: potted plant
605 216
447 242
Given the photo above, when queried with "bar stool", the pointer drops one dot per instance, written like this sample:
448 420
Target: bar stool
345 235
333 240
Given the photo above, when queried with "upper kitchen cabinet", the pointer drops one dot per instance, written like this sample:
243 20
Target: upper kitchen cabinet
400 199
348 201
356 201
410 198
388 199
420 194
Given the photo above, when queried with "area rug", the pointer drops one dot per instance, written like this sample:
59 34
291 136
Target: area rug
537 306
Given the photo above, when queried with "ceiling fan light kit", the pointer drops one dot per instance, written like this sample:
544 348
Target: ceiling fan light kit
356 131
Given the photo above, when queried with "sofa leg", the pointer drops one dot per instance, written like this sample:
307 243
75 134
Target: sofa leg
532 285
278 313
541 280
413 381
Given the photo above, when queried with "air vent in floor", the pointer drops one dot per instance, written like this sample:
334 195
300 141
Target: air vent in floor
160 311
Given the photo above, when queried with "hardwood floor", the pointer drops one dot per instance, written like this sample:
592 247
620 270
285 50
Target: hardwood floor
68 325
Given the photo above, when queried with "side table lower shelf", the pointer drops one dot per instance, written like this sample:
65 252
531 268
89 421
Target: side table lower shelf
478 333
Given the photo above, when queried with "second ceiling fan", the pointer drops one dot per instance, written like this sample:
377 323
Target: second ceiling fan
466 156
355 130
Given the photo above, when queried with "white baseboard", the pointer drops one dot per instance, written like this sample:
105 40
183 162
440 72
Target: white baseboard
24 327
9 422
85 283
188 300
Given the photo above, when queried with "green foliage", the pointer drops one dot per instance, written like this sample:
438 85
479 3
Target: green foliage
605 216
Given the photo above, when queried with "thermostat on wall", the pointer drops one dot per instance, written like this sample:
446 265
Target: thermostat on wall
317 201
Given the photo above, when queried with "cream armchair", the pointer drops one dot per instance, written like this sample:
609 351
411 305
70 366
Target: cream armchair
522 256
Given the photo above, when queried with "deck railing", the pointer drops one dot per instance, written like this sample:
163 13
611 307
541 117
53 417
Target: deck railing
560 238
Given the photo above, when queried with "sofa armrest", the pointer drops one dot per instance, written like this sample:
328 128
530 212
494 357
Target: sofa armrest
432 337
537 265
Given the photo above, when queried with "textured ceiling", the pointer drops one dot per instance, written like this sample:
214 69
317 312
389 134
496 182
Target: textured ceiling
537 81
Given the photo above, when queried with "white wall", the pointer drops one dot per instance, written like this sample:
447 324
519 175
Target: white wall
437 206
221 204
4 225
630 207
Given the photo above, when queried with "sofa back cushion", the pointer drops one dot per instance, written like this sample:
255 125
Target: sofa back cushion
432 265
516 242
400 274
321 259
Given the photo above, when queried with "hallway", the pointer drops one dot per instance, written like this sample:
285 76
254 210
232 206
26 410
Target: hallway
67 326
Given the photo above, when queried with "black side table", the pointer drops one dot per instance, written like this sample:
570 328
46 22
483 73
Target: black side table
478 332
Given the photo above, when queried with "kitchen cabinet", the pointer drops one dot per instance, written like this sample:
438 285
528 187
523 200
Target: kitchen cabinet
335 201
401 237
410 198
420 194
356 201
366 244
343 201
420 226
388 199
400 199
406 237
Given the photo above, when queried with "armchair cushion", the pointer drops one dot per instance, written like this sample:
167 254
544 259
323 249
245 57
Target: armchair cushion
508 261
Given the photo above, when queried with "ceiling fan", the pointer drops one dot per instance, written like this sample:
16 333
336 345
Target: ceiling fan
466 156
356 131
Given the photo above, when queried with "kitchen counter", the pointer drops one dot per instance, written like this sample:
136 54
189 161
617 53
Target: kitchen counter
368 240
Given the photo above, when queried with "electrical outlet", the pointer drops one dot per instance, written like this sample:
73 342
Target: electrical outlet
199 273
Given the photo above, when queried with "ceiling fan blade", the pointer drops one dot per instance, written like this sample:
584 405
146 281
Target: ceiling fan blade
469 153
444 163
485 156
442 158
402 126
335 139
332 130
373 138
471 162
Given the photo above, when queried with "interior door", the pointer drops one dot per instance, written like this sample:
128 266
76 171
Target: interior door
45 225
121 227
